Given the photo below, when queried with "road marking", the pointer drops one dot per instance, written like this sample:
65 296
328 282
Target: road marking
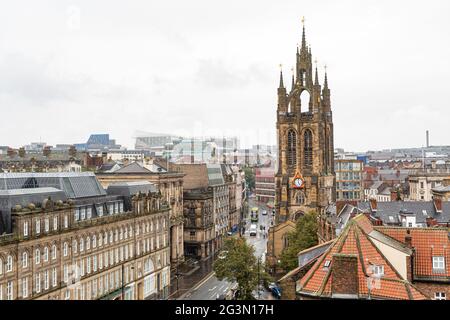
212 288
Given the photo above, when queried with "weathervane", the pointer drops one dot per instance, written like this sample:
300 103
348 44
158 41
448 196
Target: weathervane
303 20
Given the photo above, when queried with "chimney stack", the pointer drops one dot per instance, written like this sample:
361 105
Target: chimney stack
373 204
408 239
344 275
437 204
433 164
393 195
431 222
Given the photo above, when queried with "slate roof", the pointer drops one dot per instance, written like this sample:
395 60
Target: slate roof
131 188
420 209
356 241
74 184
306 256
23 197
137 168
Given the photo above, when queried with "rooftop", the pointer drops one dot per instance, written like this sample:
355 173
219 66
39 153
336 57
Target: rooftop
74 184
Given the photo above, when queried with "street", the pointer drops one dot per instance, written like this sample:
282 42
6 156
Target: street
210 288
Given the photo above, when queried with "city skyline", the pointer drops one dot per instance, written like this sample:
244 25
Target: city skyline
69 70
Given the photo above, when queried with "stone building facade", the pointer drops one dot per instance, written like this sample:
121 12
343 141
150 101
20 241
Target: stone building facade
199 232
170 185
305 177
110 246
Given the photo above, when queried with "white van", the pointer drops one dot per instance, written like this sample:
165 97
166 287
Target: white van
253 230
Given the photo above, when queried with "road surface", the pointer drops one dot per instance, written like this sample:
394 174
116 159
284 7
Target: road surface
210 287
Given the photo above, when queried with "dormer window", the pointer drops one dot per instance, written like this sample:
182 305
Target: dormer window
77 214
89 212
100 210
438 264
378 270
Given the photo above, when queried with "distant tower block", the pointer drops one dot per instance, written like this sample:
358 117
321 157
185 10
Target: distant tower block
428 139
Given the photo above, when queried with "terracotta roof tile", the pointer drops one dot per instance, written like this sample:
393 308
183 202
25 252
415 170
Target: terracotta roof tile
427 242
355 240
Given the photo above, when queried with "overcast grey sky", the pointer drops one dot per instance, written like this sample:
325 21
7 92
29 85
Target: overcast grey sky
71 68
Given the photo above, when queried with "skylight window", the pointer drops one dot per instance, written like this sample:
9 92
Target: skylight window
438 264
327 264
378 270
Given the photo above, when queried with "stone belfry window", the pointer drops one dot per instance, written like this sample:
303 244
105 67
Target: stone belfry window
307 149
292 148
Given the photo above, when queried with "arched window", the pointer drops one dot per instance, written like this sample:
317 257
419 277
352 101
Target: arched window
75 246
292 148
307 148
94 241
9 264
54 252
305 99
300 197
285 241
45 254
37 256
24 259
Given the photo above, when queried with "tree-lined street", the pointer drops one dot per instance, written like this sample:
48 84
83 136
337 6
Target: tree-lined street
210 287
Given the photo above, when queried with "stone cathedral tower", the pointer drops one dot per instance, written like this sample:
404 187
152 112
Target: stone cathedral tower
305 177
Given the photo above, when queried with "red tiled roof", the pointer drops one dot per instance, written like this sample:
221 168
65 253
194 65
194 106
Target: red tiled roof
427 242
355 241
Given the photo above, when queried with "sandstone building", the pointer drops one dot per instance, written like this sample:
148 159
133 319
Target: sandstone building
65 237
169 183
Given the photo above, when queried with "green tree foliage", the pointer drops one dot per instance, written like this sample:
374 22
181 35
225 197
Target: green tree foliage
250 177
303 237
237 263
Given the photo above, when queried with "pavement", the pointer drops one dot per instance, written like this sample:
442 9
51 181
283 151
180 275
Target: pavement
204 285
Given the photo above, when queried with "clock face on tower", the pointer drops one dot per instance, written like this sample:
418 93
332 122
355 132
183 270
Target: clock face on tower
298 182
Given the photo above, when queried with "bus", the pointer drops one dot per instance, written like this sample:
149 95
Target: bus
254 214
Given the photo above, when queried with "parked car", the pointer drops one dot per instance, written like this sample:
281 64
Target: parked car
264 213
276 292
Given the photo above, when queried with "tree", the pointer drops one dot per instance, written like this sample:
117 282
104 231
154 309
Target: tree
303 237
250 178
237 263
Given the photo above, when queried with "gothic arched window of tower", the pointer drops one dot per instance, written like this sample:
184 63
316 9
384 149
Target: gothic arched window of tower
292 148
307 149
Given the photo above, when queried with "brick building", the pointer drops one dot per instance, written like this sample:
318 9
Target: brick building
265 185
